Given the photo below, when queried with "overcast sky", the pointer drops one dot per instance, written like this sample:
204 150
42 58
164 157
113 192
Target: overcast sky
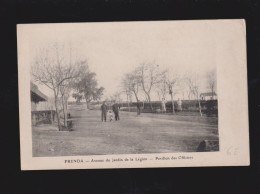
115 48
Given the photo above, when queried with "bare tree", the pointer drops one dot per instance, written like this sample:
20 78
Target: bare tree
149 75
117 97
162 87
212 82
194 87
171 81
158 92
65 93
52 70
128 97
131 83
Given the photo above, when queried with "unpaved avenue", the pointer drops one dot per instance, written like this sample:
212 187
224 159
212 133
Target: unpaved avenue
148 133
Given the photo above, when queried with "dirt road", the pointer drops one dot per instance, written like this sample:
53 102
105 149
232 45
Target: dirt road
148 133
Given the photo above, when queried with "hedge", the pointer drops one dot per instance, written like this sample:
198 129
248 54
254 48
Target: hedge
209 107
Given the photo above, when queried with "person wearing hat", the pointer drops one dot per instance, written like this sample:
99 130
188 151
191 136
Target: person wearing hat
115 108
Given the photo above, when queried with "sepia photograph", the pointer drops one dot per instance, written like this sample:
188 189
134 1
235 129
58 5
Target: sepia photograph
122 88
115 96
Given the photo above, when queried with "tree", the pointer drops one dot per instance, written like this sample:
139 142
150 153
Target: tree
171 80
78 97
194 87
87 86
116 97
131 84
211 82
149 75
65 93
53 70
162 87
128 97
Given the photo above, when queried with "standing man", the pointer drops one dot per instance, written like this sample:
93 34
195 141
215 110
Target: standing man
115 108
104 112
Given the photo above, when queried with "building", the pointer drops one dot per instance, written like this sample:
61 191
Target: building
41 108
208 96
36 96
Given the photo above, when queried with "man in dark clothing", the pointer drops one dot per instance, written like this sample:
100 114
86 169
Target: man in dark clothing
115 108
104 111
138 105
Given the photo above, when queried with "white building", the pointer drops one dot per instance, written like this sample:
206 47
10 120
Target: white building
208 96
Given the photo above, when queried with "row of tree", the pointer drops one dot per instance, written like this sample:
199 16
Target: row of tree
55 68
149 77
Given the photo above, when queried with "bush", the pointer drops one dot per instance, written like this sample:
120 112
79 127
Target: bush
211 108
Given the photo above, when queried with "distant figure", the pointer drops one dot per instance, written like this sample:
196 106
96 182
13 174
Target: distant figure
68 115
179 103
110 115
104 112
163 105
115 109
138 105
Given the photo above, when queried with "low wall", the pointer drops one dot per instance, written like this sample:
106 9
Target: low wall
46 116
208 107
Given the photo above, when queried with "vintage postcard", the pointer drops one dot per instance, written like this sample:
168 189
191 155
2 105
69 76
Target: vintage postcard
133 94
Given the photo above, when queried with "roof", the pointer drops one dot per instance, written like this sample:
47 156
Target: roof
36 94
208 94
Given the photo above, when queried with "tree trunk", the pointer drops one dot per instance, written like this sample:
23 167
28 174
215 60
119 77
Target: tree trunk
66 103
200 108
87 101
149 100
57 112
173 111
136 97
197 96
62 102
66 116
64 111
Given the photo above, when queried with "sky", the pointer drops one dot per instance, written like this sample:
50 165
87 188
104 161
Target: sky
113 49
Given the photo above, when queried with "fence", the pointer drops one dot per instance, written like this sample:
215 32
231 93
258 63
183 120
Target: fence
46 117
209 107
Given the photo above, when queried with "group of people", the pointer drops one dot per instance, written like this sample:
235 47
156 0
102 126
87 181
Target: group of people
105 111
